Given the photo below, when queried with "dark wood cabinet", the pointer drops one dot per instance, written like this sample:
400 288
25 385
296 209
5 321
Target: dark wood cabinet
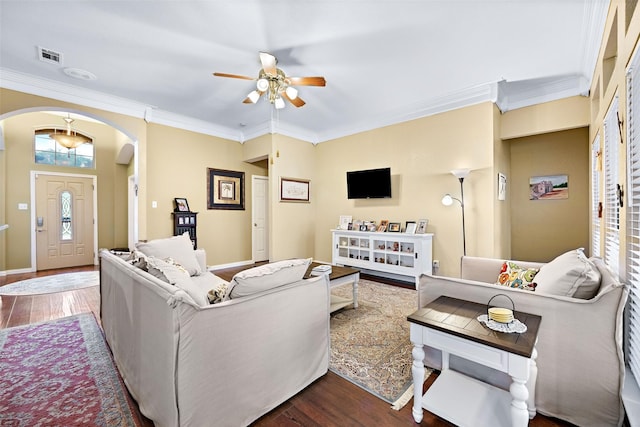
186 222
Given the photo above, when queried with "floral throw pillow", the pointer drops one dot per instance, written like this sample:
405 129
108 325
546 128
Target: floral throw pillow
514 276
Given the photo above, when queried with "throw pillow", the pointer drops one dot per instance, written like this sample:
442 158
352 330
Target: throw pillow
175 274
514 276
178 248
138 259
217 294
571 274
267 276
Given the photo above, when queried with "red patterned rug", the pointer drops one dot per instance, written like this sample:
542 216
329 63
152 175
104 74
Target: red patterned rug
60 373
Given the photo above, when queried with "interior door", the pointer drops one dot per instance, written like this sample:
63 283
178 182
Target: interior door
260 229
64 221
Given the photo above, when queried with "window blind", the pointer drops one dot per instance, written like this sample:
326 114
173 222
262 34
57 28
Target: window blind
611 207
632 254
595 196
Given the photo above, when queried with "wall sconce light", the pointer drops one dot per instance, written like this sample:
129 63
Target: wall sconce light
447 200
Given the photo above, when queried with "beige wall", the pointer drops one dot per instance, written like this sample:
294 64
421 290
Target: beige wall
177 166
421 154
112 208
292 223
544 229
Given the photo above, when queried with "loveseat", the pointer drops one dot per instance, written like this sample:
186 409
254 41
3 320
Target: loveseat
580 356
191 363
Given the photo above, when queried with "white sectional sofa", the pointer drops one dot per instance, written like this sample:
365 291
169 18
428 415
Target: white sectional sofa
580 355
191 363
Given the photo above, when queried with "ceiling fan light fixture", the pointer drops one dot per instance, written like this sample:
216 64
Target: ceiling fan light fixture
291 92
253 96
262 85
279 103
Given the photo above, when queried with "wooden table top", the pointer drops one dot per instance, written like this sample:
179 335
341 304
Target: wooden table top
336 271
458 317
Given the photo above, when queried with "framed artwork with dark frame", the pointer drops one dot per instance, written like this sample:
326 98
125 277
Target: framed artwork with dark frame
225 189
394 227
181 205
294 190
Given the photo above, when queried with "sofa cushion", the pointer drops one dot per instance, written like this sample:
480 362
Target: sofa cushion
178 248
514 276
174 274
571 274
261 278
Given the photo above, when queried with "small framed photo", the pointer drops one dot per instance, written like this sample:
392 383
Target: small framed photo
410 227
181 205
394 227
345 220
421 227
294 190
225 189
383 226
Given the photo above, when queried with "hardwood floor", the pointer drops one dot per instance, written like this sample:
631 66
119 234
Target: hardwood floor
329 401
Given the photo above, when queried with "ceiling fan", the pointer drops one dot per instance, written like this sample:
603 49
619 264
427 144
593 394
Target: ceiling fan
275 83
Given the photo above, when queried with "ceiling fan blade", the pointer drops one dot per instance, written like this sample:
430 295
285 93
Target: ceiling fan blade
307 81
234 76
295 101
248 100
268 63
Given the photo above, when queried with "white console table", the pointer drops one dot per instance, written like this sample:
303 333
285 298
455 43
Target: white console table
397 254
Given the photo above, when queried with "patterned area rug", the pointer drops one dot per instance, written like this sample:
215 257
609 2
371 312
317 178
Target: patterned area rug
54 283
370 345
60 373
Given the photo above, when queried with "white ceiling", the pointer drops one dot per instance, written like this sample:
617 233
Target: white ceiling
384 61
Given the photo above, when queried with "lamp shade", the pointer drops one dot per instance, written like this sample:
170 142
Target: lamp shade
253 96
447 200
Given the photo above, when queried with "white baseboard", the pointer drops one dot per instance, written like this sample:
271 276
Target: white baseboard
17 271
229 265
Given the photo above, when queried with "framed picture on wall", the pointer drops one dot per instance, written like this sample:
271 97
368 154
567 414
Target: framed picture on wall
294 190
549 187
502 186
225 189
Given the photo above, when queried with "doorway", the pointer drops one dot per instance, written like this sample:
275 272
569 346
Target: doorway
64 232
259 217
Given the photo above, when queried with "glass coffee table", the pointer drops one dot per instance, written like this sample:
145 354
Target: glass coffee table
339 276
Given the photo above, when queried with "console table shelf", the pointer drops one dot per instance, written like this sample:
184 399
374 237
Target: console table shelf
398 254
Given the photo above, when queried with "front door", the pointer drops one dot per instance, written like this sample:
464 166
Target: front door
64 221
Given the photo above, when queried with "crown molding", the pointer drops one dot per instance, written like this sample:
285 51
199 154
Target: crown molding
26 83
524 93
595 20
463 98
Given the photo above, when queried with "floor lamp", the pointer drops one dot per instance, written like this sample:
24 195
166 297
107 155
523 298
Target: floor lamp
447 200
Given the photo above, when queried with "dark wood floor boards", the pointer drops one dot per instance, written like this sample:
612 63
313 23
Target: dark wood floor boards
329 401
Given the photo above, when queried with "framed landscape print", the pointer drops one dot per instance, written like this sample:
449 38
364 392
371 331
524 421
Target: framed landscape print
549 187
225 189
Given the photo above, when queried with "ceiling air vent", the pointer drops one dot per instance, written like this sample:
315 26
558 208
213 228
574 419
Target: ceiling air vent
48 55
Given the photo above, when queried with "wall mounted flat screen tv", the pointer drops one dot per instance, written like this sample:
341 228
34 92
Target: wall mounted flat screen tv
369 184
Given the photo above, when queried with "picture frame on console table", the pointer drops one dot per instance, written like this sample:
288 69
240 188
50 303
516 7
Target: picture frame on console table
394 227
410 227
294 190
225 189
421 227
181 205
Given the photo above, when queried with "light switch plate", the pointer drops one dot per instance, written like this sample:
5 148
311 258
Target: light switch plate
154 204
23 206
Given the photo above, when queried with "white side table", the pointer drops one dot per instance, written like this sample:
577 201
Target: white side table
450 325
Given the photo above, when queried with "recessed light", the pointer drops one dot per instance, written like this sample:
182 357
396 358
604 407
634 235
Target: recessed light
78 73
